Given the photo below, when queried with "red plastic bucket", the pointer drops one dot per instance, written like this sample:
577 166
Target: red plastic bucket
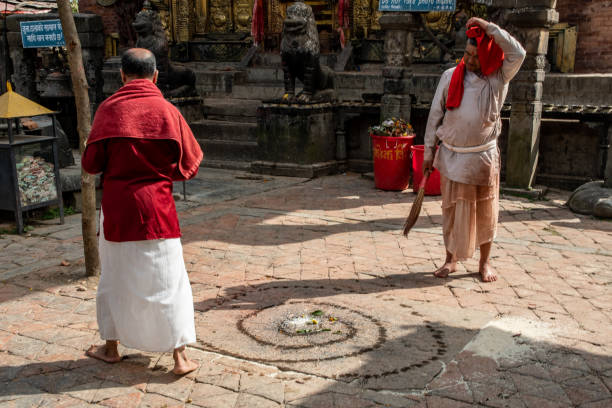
433 183
391 161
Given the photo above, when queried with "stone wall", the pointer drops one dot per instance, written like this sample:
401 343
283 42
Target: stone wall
108 15
594 48
116 18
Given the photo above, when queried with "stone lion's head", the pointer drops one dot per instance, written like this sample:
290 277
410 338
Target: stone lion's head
300 29
147 23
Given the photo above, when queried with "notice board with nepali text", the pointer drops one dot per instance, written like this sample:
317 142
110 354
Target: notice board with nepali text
417 5
42 33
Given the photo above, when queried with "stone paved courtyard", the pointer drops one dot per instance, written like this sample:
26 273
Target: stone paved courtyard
268 256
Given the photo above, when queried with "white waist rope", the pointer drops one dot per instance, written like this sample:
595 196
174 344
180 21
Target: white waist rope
472 149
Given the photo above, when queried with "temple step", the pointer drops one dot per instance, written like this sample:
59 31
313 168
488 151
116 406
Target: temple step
226 164
216 82
233 110
273 60
258 91
226 131
228 150
265 74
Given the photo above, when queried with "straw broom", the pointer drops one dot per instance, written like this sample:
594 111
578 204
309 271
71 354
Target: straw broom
416 206
415 211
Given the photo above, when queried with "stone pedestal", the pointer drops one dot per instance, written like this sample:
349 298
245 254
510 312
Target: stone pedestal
191 107
528 21
296 140
399 39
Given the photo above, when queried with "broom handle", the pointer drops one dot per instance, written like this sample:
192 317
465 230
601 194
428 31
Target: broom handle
424 179
427 174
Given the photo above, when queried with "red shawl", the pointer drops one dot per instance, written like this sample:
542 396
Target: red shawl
138 110
490 56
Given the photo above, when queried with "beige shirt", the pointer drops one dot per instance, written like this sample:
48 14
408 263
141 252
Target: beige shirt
476 121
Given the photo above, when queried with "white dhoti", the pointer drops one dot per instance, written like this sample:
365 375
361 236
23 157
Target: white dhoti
144 297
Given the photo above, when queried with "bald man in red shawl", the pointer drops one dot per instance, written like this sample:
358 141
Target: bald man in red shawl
465 120
141 144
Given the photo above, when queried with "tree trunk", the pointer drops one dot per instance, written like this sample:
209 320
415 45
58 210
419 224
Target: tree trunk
80 89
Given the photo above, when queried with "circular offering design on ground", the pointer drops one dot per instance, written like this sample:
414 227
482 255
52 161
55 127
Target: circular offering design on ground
320 330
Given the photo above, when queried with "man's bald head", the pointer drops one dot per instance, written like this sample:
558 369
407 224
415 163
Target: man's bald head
138 63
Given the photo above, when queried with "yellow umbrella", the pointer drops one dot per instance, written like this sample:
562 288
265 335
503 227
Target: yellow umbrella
13 105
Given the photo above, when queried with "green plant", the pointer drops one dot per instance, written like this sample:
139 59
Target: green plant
53 213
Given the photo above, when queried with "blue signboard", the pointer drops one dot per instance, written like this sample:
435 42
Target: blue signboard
44 33
417 5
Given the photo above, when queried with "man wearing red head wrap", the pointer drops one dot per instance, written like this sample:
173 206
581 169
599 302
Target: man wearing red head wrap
465 119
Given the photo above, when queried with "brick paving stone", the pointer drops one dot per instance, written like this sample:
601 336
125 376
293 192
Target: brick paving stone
210 396
170 385
341 233
156 401
263 386
126 400
253 401
540 388
537 402
12 390
439 402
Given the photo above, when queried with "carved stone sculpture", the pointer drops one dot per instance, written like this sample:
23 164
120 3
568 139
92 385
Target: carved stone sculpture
174 81
300 57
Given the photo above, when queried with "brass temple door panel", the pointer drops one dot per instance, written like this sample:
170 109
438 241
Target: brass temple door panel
224 16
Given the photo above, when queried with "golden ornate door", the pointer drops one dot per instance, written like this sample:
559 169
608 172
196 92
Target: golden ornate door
225 16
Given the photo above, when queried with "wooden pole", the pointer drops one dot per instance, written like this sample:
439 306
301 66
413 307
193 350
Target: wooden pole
80 89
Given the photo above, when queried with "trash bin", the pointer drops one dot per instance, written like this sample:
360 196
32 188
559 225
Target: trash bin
391 161
433 183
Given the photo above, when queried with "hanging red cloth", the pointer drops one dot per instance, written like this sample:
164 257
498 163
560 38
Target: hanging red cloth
257 24
343 13
343 19
491 58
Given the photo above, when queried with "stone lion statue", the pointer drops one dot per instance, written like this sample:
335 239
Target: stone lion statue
300 57
174 81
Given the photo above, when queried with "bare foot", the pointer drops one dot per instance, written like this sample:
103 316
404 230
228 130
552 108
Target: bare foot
106 353
445 270
487 274
182 364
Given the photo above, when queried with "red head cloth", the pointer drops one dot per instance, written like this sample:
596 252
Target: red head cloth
490 56
138 110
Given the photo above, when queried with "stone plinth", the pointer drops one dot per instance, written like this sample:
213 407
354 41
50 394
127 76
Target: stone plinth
191 107
399 41
529 23
296 140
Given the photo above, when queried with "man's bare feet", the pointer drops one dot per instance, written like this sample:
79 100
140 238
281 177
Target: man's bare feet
445 270
182 364
487 273
108 352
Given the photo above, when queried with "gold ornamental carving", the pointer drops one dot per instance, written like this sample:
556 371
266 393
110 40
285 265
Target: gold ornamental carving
163 10
276 16
219 18
375 17
201 11
361 17
183 19
243 10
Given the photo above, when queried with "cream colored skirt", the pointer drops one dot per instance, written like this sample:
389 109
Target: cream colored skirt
144 297
469 216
